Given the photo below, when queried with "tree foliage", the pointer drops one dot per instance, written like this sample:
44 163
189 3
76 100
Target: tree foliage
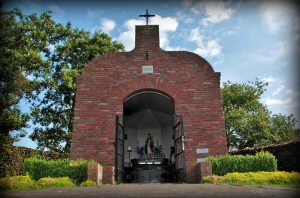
23 38
54 113
48 56
248 122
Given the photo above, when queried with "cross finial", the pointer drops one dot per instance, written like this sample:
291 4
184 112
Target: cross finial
147 15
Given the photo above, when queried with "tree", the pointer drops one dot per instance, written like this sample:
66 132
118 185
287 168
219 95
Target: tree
23 38
54 113
282 128
62 53
248 122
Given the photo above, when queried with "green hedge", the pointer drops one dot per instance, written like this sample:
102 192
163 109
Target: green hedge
12 158
262 161
74 169
285 153
256 178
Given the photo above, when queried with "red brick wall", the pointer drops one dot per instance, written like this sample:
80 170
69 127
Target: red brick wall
108 80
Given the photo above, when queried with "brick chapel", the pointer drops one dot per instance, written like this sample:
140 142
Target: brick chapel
148 115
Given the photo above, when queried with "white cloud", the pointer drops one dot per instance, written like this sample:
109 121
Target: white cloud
216 11
268 79
178 48
276 15
166 25
278 90
57 10
212 48
219 62
186 18
127 37
107 25
94 13
131 23
229 33
273 54
274 101
196 36
289 98
205 47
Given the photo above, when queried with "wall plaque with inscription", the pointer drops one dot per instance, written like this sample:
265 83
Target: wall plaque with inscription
147 69
202 150
201 160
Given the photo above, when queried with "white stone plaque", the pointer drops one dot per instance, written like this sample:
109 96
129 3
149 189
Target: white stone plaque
147 69
201 160
202 150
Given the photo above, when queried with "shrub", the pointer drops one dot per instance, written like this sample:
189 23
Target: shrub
25 183
12 158
78 170
284 153
257 178
49 182
74 169
214 179
87 183
262 161
17 183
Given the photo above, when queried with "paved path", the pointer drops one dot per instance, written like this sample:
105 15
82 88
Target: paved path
161 190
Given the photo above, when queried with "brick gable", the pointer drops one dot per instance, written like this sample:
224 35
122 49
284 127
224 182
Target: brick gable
110 79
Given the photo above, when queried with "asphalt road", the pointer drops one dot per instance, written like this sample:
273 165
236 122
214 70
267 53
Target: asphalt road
160 190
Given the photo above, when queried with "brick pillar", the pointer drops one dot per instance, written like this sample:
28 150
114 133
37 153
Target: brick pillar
147 37
203 169
191 172
108 175
95 173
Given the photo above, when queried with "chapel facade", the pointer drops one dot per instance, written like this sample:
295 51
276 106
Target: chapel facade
123 97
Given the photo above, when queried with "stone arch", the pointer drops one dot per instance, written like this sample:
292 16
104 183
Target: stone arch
138 91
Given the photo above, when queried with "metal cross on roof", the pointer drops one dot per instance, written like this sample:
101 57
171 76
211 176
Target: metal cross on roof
147 15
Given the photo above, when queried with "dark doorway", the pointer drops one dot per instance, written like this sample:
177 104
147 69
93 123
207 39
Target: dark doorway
147 113
144 113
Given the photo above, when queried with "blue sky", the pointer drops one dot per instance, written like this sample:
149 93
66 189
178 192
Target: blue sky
243 40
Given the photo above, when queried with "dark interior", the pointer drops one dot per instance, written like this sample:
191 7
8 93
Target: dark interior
143 112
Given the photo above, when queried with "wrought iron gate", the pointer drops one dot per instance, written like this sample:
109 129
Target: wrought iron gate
119 149
178 132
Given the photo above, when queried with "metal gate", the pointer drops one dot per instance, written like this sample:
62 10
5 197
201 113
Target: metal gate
119 149
178 132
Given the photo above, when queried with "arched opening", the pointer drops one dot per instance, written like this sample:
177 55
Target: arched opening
144 113
148 112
